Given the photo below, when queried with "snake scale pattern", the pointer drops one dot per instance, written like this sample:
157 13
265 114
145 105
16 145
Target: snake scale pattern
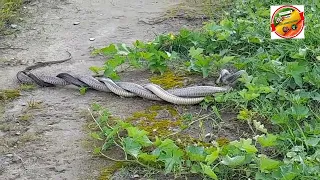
184 96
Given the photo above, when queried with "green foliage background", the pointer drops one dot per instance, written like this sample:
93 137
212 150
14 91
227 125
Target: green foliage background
281 89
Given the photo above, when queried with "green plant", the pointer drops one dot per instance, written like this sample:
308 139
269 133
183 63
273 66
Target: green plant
8 11
277 97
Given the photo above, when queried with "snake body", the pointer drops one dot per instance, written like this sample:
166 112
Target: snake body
184 96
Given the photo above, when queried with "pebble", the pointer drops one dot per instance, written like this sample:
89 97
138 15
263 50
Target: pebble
13 26
76 23
92 39
136 176
208 135
60 169
9 155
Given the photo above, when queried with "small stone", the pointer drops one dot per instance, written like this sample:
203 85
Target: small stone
175 130
162 114
59 169
13 26
92 39
136 176
76 23
208 135
9 155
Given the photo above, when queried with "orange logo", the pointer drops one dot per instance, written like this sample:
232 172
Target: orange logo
287 22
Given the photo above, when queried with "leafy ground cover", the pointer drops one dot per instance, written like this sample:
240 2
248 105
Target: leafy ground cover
8 12
278 97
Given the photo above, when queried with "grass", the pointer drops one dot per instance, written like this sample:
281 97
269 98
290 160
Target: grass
9 11
9 94
199 9
276 99
33 104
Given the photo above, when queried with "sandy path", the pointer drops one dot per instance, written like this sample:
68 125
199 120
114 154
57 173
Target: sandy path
58 152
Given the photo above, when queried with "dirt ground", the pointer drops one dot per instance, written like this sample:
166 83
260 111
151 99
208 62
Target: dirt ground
46 141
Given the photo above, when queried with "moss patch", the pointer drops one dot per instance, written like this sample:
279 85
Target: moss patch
168 80
157 120
107 172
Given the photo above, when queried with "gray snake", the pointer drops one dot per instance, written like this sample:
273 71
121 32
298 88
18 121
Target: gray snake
184 96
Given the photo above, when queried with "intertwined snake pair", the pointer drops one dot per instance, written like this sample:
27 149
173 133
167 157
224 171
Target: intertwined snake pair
185 96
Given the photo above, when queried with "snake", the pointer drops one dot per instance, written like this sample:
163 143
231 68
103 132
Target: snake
180 96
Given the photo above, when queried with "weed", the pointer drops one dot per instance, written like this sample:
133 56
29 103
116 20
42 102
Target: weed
27 137
9 10
32 104
9 94
280 89
6 127
27 87
25 117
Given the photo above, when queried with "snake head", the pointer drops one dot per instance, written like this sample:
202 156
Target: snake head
228 78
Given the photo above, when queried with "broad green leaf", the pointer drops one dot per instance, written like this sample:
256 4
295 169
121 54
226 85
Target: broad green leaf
267 164
109 50
295 69
195 52
313 141
123 49
170 154
245 145
223 35
226 59
131 147
247 95
233 161
171 159
212 157
281 118
196 168
316 96
226 23
139 136
208 171
195 153
267 141
299 111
